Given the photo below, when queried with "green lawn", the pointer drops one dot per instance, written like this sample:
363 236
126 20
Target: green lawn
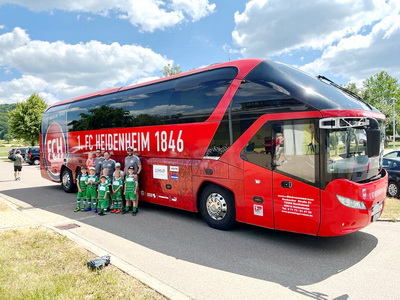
37 263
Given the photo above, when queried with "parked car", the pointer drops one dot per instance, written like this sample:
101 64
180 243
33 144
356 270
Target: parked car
391 154
33 155
392 166
23 150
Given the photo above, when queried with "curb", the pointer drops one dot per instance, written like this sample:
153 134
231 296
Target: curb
152 282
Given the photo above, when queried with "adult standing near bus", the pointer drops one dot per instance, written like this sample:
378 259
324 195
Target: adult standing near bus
97 162
108 163
133 161
17 164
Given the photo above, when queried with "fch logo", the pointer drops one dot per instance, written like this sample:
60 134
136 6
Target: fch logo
55 149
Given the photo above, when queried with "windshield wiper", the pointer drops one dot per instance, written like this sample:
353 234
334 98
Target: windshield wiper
348 92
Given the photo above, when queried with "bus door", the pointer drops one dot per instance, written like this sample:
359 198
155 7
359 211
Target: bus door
295 165
257 178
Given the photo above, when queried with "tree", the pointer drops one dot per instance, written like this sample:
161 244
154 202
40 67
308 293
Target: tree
352 87
380 90
171 70
25 119
8 137
4 109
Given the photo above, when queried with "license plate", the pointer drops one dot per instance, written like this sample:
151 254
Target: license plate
376 210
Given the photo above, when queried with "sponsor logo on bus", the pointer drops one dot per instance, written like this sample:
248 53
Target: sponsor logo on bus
160 172
174 169
258 210
55 150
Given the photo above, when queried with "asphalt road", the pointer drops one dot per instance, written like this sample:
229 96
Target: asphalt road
249 260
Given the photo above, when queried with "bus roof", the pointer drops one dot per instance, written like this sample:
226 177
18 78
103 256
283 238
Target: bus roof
243 66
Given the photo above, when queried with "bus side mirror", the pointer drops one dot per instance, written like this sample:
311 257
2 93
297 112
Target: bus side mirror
373 142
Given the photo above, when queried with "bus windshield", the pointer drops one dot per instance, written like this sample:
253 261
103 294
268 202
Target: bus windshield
347 155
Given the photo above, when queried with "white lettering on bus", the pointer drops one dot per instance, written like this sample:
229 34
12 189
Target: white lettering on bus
139 141
55 149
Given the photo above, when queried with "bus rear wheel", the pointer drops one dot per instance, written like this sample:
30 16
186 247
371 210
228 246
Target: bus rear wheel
217 207
67 182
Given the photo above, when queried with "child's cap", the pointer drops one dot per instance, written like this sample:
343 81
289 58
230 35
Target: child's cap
118 165
131 168
83 167
103 176
92 168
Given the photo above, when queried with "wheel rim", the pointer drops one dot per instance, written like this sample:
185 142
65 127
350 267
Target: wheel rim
66 180
36 162
216 206
392 188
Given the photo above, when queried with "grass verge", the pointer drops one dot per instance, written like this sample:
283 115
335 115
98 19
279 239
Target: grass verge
38 263
391 209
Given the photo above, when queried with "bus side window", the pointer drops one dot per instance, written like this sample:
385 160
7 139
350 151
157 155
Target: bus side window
296 150
258 150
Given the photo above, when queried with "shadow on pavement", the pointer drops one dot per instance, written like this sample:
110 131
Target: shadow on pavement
288 259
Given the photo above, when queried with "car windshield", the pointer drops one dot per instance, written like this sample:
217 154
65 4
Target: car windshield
347 155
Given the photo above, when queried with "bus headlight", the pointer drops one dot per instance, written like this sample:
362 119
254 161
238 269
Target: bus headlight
351 203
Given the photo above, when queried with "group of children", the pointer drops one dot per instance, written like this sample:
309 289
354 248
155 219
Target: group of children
96 193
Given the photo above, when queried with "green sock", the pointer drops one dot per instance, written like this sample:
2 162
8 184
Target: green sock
134 209
127 208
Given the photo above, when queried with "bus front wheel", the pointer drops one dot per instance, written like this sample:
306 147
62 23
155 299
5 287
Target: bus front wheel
67 182
217 207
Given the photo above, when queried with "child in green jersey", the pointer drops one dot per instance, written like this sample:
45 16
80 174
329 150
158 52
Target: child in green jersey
91 192
130 190
103 195
106 172
116 188
81 195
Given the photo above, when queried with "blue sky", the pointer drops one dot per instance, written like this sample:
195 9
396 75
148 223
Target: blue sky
63 49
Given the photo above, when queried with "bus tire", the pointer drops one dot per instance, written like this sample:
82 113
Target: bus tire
67 182
393 189
217 207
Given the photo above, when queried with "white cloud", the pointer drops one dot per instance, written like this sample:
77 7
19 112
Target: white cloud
64 70
196 9
148 15
358 57
356 37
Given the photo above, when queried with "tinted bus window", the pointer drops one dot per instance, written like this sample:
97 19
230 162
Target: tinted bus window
55 114
148 105
195 97
252 99
183 100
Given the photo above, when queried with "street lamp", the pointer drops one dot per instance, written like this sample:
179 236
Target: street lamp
394 122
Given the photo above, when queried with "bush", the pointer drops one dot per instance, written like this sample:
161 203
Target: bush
1 145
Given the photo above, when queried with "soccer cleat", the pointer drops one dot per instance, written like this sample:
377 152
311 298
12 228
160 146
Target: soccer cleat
95 211
101 213
134 213
112 211
117 211
124 212
87 209
77 209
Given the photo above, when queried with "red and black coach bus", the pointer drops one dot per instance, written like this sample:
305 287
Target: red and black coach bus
252 141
